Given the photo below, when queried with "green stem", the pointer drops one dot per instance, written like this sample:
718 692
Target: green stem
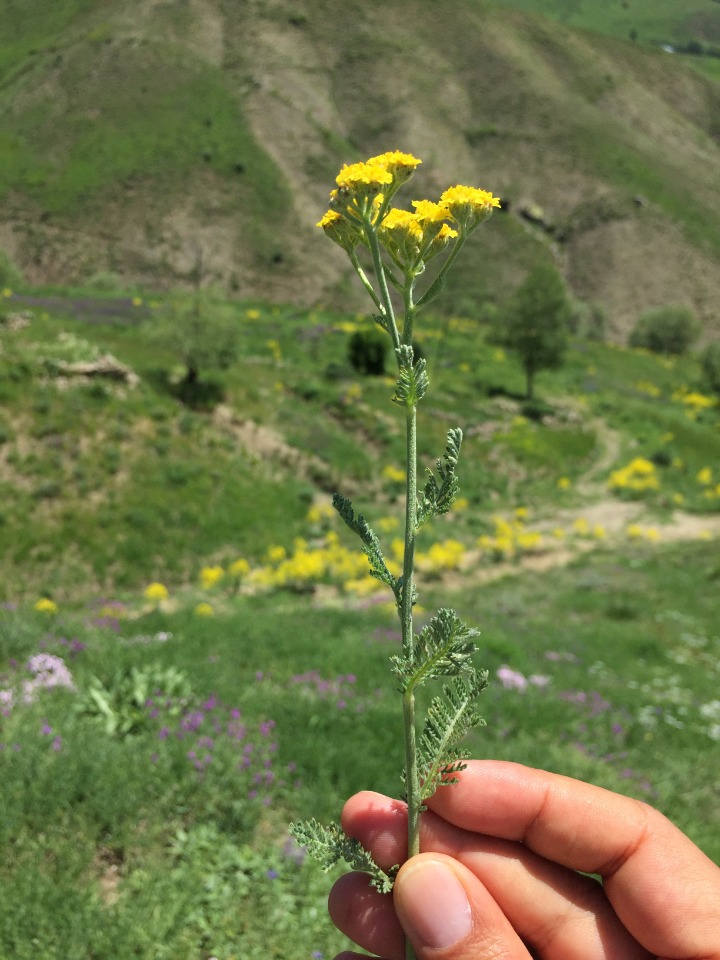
382 283
363 278
412 780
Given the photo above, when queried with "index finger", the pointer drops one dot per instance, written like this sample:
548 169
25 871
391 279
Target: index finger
655 877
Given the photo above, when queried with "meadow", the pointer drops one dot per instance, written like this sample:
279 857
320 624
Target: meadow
192 653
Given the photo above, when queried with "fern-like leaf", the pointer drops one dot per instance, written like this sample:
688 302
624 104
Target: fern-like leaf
449 718
371 544
438 497
442 649
413 380
329 845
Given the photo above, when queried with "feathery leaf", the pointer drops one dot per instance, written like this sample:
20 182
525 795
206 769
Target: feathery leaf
329 844
437 498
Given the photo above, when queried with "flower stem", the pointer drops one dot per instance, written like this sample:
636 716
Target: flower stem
412 780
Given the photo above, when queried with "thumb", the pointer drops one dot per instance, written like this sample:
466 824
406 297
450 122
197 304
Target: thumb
448 914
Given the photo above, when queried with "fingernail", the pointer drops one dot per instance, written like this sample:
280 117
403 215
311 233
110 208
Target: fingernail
432 905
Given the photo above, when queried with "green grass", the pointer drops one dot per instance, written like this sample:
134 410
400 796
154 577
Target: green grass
654 21
156 861
108 487
141 842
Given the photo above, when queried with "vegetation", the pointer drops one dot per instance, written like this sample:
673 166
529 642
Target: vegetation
180 603
535 323
710 362
669 330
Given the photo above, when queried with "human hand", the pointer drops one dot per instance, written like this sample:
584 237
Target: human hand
502 875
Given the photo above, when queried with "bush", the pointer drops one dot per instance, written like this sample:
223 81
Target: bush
669 330
367 351
710 362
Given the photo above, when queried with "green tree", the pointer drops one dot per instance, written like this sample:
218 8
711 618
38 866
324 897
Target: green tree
201 337
535 323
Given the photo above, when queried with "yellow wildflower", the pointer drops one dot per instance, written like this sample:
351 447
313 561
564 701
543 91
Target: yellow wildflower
429 212
399 165
210 576
564 483
634 531
340 230
468 206
705 476
402 234
239 568
156 592
204 610
387 524
581 527
393 473
276 554
45 605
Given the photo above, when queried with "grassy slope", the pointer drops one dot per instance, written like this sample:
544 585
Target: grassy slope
107 487
103 488
122 153
655 21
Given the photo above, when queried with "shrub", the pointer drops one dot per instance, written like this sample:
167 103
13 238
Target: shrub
710 362
367 351
669 330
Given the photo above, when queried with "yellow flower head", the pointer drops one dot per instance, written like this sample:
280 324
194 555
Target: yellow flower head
428 212
156 592
204 610
357 186
209 576
45 605
402 234
239 568
468 206
441 239
339 230
400 166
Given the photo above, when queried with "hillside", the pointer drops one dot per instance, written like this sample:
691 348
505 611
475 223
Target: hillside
108 483
136 134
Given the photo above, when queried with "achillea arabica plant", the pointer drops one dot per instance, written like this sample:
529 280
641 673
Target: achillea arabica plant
399 244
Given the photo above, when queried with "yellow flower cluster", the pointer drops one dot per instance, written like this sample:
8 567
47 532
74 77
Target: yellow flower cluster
442 556
510 538
705 479
211 576
45 605
156 592
693 401
635 531
361 201
638 477
648 388
327 560
393 474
